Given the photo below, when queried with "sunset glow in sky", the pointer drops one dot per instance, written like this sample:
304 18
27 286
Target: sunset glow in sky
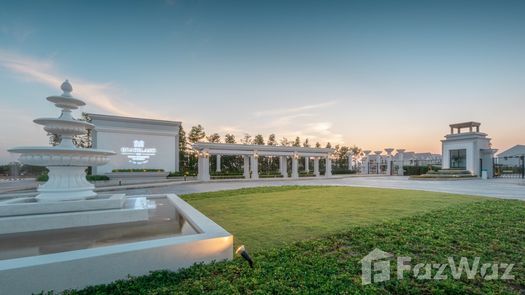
371 73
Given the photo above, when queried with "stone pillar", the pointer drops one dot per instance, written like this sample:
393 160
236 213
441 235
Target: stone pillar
316 167
218 168
400 170
389 161
254 166
203 167
307 164
350 161
246 167
283 166
328 171
295 167
378 161
366 163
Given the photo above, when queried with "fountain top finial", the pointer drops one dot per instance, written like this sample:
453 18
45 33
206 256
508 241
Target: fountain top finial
67 88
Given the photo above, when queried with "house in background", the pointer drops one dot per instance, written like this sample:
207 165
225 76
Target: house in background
511 157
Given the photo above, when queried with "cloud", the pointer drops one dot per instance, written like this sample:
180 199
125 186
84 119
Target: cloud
303 121
102 96
292 110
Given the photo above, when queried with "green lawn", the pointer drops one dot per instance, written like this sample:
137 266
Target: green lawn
271 216
493 230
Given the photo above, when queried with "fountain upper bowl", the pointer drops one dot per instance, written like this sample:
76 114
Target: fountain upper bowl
62 156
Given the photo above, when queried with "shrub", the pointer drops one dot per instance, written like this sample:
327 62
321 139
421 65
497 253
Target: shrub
418 170
44 177
179 174
96 177
343 171
138 170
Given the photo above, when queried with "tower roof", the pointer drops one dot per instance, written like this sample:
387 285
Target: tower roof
465 125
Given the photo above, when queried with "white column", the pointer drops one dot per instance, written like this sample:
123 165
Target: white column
283 166
328 171
366 163
378 161
218 168
389 161
254 166
307 164
350 161
400 170
295 167
316 167
246 167
203 168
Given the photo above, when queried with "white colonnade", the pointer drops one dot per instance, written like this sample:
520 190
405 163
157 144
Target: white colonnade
251 154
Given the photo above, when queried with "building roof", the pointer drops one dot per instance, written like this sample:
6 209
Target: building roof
465 125
517 150
133 120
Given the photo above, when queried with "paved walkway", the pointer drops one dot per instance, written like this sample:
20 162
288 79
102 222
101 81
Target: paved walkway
499 188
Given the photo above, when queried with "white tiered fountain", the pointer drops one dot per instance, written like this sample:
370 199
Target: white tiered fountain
67 199
66 236
66 163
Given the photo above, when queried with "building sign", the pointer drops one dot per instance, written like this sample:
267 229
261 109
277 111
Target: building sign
138 155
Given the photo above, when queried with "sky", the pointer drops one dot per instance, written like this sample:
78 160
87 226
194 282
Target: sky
370 73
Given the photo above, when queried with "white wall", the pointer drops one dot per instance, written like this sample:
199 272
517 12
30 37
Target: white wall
164 158
160 139
468 145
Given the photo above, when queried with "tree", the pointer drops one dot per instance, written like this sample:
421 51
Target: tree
328 145
259 140
84 140
356 151
285 142
317 145
297 141
271 140
81 141
214 138
229 138
183 163
196 134
247 139
182 140
306 143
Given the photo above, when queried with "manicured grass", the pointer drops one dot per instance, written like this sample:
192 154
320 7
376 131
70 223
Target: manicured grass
493 230
268 217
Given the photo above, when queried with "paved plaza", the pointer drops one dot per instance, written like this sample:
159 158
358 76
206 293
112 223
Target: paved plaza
499 188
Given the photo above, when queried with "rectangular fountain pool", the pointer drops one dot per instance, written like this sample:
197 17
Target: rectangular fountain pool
175 236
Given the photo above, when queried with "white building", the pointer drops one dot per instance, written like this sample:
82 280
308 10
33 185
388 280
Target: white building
139 143
470 150
417 159
511 157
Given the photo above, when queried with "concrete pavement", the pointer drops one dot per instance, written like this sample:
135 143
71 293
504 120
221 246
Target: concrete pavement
498 188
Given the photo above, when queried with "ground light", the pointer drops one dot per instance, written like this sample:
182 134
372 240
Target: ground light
242 251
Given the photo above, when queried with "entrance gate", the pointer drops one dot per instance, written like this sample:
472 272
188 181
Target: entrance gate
510 171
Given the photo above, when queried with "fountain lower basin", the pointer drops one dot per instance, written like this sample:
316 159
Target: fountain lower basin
31 216
175 236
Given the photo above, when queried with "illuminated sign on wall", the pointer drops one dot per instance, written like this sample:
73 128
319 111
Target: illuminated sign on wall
137 154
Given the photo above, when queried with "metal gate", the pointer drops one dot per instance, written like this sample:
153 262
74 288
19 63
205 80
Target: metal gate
511 171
